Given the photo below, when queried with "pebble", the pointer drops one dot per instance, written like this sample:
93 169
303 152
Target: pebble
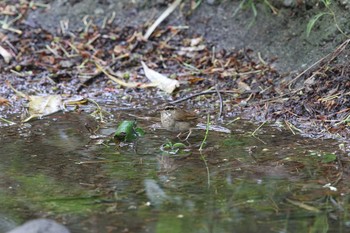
40 225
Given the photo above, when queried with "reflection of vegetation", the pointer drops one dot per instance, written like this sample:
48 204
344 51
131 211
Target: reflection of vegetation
320 224
206 133
232 142
41 193
169 224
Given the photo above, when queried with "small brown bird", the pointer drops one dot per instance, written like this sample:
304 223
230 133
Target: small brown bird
177 119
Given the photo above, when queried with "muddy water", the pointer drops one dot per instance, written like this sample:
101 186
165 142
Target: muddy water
271 182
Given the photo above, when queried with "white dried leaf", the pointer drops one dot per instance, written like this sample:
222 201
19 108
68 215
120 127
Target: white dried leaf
161 81
40 106
6 55
242 86
196 41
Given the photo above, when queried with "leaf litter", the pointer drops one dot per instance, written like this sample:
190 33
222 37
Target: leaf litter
110 58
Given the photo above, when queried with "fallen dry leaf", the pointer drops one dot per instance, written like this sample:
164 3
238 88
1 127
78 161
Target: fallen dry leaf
161 81
5 54
242 86
4 101
40 106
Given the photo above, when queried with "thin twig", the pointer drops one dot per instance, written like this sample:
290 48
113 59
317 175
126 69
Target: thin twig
220 99
257 129
291 127
122 82
206 93
102 70
206 133
287 123
7 121
303 205
201 149
341 168
332 55
163 16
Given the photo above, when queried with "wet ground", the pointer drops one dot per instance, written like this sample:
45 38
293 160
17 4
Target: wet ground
269 181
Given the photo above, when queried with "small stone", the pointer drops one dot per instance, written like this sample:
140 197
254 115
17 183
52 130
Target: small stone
212 2
40 225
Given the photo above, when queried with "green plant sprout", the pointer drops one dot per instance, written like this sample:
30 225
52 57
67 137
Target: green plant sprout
172 148
314 19
201 149
251 4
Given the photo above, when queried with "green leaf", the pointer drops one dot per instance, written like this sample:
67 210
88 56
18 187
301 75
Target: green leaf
312 22
255 12
176 148
327 3
240 7
140 132
128 132
327 158
179 145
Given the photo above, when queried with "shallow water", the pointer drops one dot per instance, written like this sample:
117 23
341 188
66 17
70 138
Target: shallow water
273 182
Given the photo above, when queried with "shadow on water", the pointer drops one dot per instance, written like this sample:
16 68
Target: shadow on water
273 182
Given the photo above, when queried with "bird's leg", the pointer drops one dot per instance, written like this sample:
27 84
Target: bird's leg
188 135
178 136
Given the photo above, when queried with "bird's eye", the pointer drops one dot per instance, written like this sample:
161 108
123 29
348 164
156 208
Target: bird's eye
169 107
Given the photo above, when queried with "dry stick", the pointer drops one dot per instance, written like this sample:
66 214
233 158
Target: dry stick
217 91
7 121
201 149
256 130
113 63
220 99
340 177
100 71
204 93
333 55
303 205
163 16
290 128
6 25
206 133
121 82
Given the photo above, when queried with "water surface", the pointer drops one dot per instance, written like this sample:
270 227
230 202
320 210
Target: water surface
271 182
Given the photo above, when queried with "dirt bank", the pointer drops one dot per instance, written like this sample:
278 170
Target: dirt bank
250 59
280 34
